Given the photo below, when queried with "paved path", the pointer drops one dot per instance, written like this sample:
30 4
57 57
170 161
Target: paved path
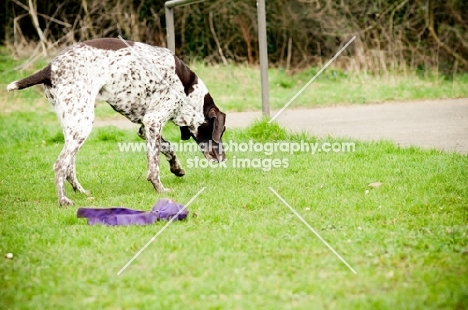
442 124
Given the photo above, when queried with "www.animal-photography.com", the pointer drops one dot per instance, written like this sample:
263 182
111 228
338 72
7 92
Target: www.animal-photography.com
233 154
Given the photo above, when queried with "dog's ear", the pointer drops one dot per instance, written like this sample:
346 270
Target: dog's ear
219 118
185 133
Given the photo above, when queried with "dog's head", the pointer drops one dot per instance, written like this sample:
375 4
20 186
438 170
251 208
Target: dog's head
209 134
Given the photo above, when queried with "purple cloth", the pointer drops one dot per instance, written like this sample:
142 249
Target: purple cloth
164 209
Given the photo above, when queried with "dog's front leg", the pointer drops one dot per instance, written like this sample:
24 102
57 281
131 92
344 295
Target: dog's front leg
167 150
153 124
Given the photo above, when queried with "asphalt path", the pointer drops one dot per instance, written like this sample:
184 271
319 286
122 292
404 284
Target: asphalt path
440 124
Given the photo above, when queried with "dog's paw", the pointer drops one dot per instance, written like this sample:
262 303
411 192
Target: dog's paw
178 172
82 191
161 189
65 201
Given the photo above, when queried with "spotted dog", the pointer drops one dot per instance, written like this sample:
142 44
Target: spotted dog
147 84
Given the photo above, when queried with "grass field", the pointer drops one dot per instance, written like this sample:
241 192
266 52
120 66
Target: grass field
244 249
241 247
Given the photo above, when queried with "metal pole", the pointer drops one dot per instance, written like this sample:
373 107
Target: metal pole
173 3
170 28
262 42
169 9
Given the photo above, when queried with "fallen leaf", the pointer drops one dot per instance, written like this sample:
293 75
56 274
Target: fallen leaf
375 184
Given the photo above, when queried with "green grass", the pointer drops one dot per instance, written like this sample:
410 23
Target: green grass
237 87
244 249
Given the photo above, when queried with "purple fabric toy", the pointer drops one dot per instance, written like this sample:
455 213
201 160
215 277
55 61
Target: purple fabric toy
164 209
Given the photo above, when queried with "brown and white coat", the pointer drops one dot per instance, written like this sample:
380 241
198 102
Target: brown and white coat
147 84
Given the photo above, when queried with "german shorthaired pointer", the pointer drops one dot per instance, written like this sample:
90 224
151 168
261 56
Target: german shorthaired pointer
147 84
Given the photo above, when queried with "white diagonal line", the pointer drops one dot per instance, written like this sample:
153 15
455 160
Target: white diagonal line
160 231
311 80
313 230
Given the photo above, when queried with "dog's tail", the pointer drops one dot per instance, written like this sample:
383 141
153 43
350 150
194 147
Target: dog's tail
41 77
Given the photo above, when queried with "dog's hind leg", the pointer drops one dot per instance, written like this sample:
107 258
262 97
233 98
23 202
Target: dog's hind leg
75 112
